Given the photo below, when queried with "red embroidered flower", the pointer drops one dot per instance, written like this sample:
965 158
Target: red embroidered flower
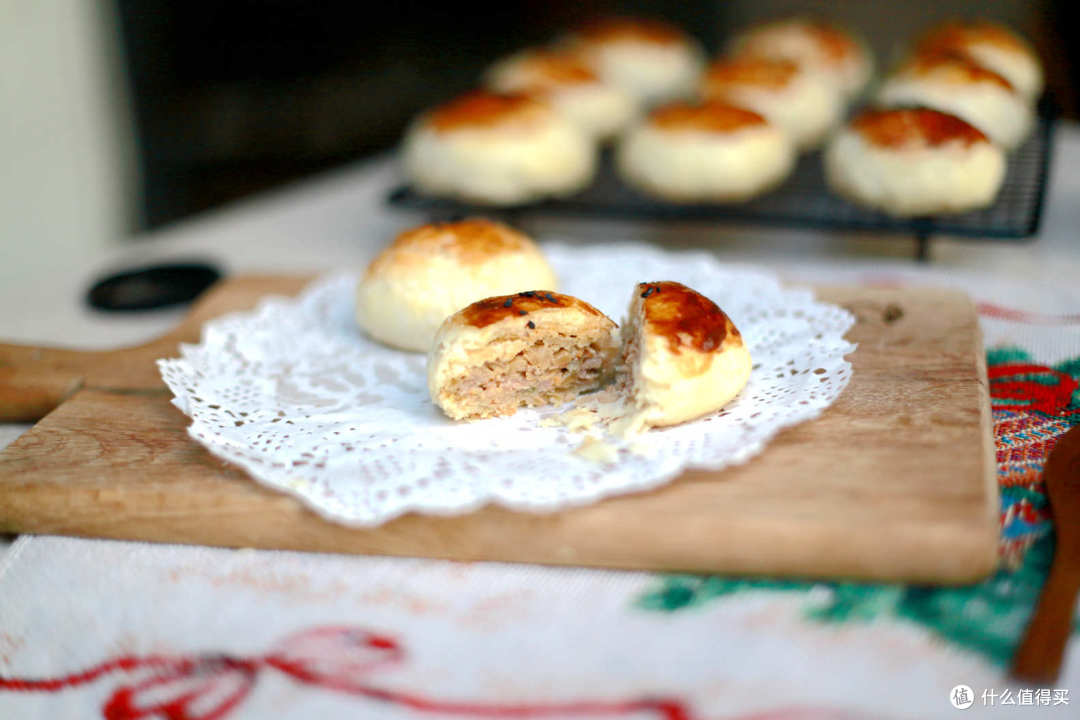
1024 386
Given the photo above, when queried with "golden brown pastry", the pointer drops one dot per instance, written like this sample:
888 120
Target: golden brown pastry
958 86
710 151
572 88
432 271
820 46
650 59
991 45
792 97
914 162
498 149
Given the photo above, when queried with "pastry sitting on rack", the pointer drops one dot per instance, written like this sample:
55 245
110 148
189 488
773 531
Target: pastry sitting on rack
956 85
914 162
498 149
572 88
710 151
793 98
991 45
650 59
823 47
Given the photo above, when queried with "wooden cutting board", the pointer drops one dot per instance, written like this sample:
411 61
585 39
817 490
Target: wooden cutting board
894 482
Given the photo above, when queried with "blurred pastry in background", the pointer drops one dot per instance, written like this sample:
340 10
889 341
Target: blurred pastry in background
710 151
815 44
793 98
991 45
432 271
498 149
914 162
572 88
650 59
956 85
524 350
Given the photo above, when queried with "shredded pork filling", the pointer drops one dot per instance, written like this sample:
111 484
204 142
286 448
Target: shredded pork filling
551 370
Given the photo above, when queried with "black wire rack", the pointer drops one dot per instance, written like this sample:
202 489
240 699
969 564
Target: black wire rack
802 201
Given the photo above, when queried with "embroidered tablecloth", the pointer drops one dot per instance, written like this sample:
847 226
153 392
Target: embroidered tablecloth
102 629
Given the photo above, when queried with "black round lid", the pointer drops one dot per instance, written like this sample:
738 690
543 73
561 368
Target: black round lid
152 287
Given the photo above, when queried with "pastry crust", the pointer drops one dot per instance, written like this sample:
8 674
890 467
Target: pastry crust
958 86
572 88
991 45
432 271
820 46
705 152
498 149
682 356
651 60
793 98
528 349
914 162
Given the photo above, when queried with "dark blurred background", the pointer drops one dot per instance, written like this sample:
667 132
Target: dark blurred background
231 98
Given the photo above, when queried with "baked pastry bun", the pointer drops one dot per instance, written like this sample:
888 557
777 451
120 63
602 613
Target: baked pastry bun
815 44
569 85
958 86
914 162
793 98
650 59
682 356
432 271
498 149
993 46
528 349
705 152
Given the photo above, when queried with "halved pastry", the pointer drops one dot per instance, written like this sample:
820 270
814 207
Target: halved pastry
682 356
525 350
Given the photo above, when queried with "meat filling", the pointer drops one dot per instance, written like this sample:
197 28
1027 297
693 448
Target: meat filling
551 370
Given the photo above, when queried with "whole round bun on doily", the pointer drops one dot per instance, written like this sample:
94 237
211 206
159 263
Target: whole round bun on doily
525 350
682 355
429 272
914 162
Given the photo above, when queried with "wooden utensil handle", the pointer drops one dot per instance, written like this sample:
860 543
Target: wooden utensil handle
1039 658
34 380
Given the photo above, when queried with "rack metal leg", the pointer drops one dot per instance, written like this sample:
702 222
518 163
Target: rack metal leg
922 247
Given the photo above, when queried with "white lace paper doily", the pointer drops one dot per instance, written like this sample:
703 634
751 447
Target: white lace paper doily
297 395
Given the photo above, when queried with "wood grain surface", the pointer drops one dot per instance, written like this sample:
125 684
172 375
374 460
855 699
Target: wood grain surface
894 482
